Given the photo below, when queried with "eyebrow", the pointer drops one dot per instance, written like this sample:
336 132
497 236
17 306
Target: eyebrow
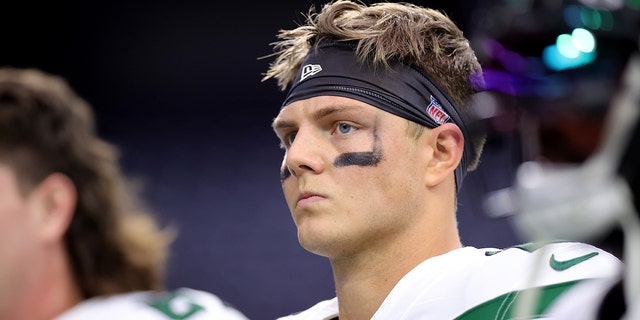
317 115
325 111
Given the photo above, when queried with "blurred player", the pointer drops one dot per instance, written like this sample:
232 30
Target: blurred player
75 240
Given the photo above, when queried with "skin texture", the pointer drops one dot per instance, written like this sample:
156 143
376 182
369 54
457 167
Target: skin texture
365 194
363 159
34 261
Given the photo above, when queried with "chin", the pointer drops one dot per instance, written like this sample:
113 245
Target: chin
318 250
315 242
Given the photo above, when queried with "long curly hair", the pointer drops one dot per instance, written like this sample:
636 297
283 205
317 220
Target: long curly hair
113 242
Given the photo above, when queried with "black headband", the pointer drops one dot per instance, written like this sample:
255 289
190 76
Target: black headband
402 90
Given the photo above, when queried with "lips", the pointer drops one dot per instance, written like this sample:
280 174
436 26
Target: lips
307 198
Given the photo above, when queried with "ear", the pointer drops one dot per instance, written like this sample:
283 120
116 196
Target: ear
54 201
447 143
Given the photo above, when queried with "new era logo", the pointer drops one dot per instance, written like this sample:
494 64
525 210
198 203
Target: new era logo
309 70
435 111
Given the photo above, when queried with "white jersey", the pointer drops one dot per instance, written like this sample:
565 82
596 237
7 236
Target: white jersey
181 304
471 283
583 301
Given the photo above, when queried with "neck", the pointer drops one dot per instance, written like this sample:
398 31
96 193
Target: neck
365 279
49 290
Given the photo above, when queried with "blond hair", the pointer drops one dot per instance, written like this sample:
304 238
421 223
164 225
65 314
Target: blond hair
384 32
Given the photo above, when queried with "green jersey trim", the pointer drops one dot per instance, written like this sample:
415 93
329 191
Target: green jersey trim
566 264
503 307
165 304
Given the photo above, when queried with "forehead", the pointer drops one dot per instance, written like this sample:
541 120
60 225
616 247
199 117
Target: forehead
320 106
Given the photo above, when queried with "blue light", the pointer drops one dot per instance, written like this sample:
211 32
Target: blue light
565 45
591 18
572 16
583 40
554 59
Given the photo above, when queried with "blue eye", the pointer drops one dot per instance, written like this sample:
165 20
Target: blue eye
345 128
290 138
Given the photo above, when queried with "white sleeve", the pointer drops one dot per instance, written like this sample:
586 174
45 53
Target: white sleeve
181 304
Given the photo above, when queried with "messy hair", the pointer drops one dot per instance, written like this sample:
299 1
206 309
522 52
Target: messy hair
113 242
386 32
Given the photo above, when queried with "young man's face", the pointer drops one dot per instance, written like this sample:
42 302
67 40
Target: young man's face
352 176
17 236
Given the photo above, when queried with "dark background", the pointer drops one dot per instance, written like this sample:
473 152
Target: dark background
177 86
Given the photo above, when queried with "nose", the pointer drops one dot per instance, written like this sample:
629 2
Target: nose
305 154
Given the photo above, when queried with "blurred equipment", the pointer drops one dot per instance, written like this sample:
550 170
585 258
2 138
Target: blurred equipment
563 77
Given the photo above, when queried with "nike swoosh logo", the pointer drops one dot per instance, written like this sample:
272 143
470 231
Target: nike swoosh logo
566 264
